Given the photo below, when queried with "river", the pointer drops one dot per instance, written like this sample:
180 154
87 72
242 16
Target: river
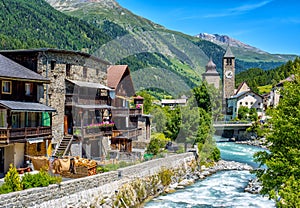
223 189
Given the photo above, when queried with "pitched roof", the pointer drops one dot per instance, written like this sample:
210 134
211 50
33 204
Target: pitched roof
244 93
13 70
25 106
241 85
54 50
88 84
228 53
115 74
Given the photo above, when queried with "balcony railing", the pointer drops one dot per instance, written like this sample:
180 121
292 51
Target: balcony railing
75 99
126 112
91 132
16 134
130 133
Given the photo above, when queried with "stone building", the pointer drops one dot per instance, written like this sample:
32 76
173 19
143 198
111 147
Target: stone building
77 85
211 76
91 98
228 74
25 124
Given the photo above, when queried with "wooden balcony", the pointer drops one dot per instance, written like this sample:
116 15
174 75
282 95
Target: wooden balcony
19 134
72 99
126 112
91 132
129 134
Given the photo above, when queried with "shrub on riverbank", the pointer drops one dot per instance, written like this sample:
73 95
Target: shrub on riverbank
13 182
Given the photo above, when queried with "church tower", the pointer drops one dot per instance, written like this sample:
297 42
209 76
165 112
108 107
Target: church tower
228 74
211 76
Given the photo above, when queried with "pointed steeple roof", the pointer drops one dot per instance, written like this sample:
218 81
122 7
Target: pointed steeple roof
228 53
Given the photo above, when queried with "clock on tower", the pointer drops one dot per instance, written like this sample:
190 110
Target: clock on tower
228 74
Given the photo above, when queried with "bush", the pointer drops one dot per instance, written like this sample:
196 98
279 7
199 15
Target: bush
157 142
216 154
102 169
4 189
165 176
12 180
40 179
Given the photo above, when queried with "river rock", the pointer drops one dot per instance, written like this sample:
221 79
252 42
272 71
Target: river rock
254 186
186 182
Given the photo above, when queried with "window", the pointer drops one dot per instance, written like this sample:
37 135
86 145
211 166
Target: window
28 89
84 72
3 114
53 64
39 147
68 69
241 103
246 103
228 61
6 87
251 103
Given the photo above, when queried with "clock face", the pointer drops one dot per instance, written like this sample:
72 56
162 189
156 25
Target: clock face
228 74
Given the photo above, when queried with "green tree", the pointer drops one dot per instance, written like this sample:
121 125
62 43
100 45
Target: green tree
209 99
243 112
282 176
253 114
12 179
159 119
173 123
189 125
157 142
148 99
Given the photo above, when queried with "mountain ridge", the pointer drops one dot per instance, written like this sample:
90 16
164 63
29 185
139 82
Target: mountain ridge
105 29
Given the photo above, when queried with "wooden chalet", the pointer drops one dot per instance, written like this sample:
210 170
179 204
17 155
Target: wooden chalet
25 124
126 117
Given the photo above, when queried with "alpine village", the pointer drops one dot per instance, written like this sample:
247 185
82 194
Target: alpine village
100 107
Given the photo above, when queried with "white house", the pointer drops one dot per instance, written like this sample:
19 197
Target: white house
244 97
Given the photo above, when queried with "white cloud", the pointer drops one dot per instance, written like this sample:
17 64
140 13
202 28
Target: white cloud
238 10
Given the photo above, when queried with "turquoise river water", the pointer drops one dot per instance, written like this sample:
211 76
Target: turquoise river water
223 189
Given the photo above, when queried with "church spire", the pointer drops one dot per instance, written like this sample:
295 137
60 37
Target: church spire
228 53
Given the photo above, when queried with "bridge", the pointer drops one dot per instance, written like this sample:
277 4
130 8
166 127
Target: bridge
231 129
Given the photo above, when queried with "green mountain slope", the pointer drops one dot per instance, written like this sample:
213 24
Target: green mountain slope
146 36
35 24
105 29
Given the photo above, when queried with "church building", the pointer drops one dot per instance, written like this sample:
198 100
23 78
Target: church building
232 98
211 76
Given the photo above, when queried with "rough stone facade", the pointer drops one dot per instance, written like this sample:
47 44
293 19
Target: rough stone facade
83 192
53 64
228 75
213 79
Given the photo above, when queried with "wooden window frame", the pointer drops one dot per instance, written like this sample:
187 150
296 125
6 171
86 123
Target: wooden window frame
30 89
10 87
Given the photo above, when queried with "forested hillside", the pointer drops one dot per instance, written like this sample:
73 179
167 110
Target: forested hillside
35 24
257 77
106 30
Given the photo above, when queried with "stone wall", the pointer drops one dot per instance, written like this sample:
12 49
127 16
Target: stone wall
53 65
85 192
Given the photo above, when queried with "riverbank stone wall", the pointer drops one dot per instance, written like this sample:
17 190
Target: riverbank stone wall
84 192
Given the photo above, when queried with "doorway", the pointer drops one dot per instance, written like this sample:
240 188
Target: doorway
1 161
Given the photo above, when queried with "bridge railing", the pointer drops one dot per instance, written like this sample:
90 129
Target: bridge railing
232 122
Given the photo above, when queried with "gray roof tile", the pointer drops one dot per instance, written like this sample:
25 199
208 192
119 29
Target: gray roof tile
11 69
25 106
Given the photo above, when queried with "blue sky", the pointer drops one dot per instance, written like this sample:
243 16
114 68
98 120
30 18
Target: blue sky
270 25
